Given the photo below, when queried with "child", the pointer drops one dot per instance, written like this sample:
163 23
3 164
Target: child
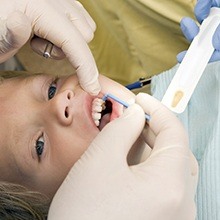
47 123
199 119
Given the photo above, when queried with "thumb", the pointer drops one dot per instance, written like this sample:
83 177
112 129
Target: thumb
189 28
165 125
171 140
14 33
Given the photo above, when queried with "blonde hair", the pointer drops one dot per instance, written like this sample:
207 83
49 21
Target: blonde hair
19 203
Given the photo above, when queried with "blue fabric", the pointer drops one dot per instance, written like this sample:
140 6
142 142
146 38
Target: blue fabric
202 121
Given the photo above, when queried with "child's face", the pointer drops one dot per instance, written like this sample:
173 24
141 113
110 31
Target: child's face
40 137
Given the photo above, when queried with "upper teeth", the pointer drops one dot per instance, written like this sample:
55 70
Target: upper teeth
98 105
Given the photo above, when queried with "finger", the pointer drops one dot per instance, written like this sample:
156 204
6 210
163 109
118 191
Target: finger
15 32
116 138
69 39
81 58
202 9
171 153
189 28
164 124
39 45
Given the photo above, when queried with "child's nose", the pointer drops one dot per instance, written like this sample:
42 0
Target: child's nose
60 107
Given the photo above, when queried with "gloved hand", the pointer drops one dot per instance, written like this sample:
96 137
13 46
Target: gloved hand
190 29
65 23
101 185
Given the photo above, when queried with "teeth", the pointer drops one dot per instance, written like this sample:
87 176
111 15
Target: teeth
97 108
96 115
96 122
98 105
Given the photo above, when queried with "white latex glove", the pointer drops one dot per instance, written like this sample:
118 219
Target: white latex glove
101 185
65 23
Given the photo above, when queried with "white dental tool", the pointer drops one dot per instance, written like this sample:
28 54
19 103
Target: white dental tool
190 70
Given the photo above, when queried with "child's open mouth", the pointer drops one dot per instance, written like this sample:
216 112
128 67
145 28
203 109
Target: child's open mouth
104 111
105 114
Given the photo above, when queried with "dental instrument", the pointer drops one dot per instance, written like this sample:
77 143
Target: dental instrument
139 84
125 104
48 50
190 70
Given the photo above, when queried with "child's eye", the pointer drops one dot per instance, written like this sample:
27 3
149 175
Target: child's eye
39 146
52 89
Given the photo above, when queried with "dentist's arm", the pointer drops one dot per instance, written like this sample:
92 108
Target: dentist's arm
101 185
65 23
190 29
